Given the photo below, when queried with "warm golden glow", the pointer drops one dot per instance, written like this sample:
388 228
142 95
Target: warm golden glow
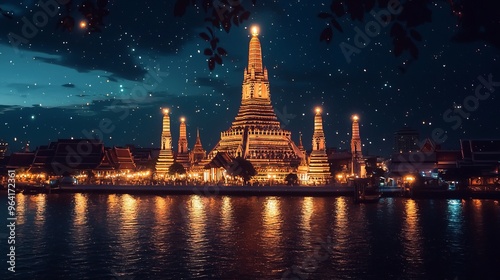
83 24
409 178
197 221
183 119
411 232
355 118
80 209
226 212
307 211
21 208
165 111
318 110
255 30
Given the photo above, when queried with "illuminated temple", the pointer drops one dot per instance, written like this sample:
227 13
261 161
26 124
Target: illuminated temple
319 169
255 133
166 157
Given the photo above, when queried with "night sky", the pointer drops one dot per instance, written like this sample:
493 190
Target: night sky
62 84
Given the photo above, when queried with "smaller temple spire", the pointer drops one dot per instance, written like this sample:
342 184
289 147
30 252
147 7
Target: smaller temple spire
319 168
319 135
182 148
198 153
182 145
356 139
357 162
166 157
166 137
198 139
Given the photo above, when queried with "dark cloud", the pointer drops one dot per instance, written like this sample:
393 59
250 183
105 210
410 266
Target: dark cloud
219 85
7 108
23 87
154 29
69 85
112 78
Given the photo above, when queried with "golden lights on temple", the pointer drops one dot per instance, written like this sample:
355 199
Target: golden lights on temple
255 30
256 135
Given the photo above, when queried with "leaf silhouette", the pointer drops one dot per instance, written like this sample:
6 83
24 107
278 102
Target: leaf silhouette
413 49
211 63
355 8
226 25
415 35
337 8
180 7
208 52
218 59
211 31
221 51
336 24
397 30
326 35
244 16
398 47
204 36
213 43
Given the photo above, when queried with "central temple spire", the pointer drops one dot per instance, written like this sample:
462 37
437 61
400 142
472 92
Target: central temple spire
255 52
256 108
256 133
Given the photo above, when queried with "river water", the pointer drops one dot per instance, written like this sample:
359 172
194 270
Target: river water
101 236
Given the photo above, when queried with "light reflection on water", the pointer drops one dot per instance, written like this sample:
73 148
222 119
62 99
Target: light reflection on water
271 233
89 236
413 250
197 242
341 232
